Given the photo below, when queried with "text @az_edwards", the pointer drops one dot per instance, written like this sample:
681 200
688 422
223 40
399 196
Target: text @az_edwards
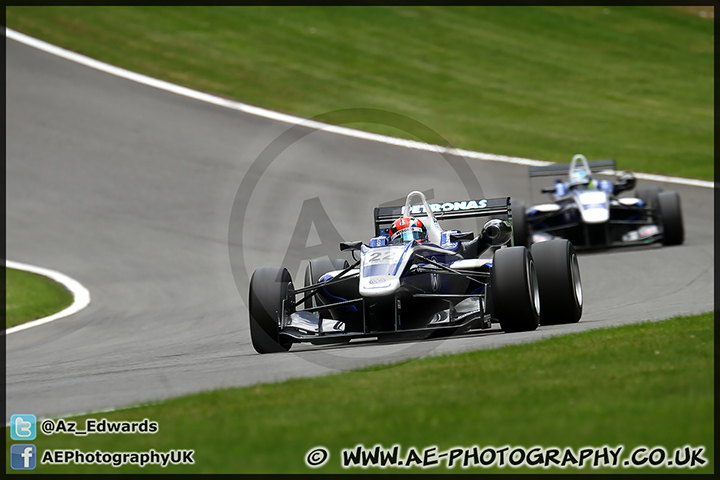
93 425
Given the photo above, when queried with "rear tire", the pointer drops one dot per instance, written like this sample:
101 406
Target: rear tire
671 218
269 286
514 290
561 297
521 229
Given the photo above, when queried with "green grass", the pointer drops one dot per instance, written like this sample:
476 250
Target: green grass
29 296
648 384
632 83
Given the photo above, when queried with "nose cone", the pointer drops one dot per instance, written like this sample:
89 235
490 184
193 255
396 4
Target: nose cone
594 206
379 286
595 215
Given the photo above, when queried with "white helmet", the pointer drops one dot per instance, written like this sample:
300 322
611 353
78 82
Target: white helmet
579 177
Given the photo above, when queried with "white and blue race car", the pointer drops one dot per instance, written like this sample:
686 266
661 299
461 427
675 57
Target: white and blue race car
592 215
416 280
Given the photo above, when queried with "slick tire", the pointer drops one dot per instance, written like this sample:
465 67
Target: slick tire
514 290
671 218
521 228
269 286
558 272
648 195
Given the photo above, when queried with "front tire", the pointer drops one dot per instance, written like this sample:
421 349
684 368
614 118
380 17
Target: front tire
269 286
648 195
558 271
671 218
514 290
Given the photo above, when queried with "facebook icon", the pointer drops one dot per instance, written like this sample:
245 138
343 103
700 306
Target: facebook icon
22 456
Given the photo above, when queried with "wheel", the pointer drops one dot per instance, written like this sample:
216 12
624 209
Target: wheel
318 267
514 290
521 229
671 218
561 297
269 286
648 195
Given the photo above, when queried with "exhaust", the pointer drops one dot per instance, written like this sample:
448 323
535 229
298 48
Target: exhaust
496 232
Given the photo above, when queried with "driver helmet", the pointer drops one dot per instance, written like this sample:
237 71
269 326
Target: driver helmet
407 229
579 177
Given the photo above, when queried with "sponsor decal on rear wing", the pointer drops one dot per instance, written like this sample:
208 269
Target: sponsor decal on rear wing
561 169
385 216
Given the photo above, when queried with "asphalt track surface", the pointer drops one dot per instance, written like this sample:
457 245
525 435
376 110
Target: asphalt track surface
130 190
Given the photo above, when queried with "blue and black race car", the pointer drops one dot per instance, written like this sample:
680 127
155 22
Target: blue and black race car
591 214
415 280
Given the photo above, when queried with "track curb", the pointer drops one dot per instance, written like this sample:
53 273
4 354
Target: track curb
81 295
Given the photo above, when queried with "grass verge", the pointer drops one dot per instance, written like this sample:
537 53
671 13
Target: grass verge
634 83
29 296
648 384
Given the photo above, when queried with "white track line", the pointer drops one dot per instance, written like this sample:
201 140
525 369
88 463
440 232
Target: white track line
81 295
281 117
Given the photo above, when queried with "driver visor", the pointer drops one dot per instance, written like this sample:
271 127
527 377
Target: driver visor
408 235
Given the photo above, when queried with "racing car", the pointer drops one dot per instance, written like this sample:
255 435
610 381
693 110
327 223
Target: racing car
415 280
592 215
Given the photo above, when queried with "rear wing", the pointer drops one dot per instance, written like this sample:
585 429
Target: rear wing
561 169
383 217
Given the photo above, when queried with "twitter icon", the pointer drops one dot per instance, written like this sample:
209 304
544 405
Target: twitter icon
23 427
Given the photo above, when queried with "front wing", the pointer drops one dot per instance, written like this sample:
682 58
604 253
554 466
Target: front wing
627 226
461 312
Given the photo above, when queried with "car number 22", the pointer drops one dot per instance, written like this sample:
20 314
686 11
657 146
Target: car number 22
383 256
